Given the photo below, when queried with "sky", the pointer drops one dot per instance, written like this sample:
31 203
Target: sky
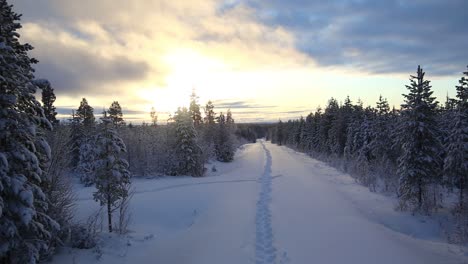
265 60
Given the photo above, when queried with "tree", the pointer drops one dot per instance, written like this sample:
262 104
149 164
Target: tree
112 175
82 133
48 99
456 160
210 115
339 126
224 146
188 152
195 109
419 163
85 113
154 116
115 114
86 160
26 229
208 131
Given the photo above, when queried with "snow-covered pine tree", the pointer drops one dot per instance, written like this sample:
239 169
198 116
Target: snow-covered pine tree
195 109
115 114
208 131
456 160
420 163
86 162
308 134
188 152
224 146
328 117
26 229
112 175
339 126
381 141
82 122
48 99
364 153
316 132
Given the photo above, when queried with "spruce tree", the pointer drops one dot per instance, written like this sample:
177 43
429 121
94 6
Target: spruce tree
154 117
195 110
115 114
112 175
419 163
224 146
26 229
210 115
456 160
208 131
48 99
83 123
188 152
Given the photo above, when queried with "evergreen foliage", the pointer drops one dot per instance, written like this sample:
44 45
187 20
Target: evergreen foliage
188 152
48 99
112 175
115 114
26 229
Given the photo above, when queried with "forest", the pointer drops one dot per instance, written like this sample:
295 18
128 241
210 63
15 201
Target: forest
418 151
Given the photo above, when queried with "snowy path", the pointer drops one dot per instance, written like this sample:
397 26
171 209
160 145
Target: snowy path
271 205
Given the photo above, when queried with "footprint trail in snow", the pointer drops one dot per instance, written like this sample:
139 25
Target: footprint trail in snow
265 251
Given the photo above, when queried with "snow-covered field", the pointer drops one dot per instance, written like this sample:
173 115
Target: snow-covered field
271 205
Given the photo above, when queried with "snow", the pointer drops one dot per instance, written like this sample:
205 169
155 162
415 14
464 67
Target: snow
270 205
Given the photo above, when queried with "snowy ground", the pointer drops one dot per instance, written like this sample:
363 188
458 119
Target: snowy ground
271 205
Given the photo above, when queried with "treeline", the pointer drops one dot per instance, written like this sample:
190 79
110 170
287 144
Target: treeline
418 151
182 146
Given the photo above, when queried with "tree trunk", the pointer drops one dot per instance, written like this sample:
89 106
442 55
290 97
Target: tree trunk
419 196
109 213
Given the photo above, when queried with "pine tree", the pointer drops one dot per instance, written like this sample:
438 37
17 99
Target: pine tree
188 152
210 115
112 175
456 160
154 117
419 164
208 131
82 134
339 126
224 146
327 120
381 141
26 229
115 114
48 99
280 137
229 120
86 113
308 133
76 134
86 160
195 110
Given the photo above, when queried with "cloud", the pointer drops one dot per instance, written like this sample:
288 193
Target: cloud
282 53
228 104
375 36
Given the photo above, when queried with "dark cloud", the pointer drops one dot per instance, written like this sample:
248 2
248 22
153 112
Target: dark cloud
74 70
376 36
